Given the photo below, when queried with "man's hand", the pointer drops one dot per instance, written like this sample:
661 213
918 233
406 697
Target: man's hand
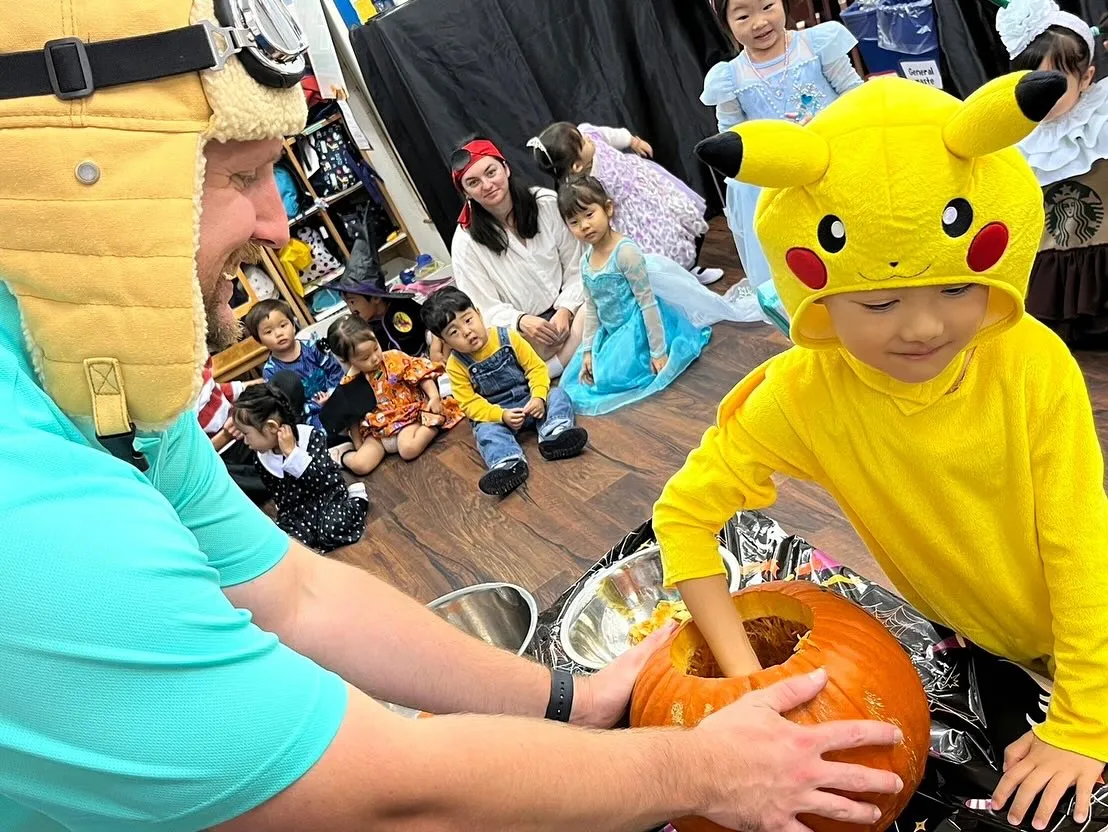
434 404
586 370
536 330
658 364
562 321
1032 766
770 770
286 440
642 148
601 700
535 408
514 418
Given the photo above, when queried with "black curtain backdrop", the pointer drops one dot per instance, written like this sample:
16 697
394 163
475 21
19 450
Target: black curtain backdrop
972 48
440 70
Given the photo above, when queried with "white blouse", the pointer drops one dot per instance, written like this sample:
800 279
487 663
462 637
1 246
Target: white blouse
531 277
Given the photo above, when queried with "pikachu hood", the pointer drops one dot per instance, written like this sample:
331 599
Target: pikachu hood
896 184
100 207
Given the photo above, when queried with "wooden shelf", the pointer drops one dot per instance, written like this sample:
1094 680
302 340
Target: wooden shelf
320 282
353 189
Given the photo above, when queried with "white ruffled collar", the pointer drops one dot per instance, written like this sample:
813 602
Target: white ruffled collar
274 461
1069 146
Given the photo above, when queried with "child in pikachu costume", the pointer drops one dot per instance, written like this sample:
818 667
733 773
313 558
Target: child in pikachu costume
955 432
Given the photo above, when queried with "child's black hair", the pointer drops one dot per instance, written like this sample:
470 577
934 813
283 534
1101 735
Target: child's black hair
439 309
562 144
1065 49
345 335
721 8
259 403
578 193
487 229
261 310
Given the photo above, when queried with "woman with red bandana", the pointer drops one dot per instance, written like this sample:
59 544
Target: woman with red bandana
514 256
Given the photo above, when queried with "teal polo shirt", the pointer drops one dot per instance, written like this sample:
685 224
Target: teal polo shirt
133 695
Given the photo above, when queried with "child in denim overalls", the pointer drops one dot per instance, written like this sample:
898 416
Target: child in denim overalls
503 387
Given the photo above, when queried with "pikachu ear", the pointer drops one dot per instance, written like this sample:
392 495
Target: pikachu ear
770 154
1002 113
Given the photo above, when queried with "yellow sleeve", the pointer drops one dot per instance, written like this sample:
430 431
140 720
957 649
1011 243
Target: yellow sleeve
476 407
533 366
732 470
1071 516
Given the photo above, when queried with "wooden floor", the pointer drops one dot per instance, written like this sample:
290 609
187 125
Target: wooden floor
431 531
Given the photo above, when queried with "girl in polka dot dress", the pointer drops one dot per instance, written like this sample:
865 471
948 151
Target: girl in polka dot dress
314 504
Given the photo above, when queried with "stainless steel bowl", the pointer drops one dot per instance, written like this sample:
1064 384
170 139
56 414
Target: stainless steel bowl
504 615
598 619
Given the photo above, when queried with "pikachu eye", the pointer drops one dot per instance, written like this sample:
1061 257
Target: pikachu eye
957 217
831 234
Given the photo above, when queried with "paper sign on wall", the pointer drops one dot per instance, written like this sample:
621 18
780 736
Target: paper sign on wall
926 72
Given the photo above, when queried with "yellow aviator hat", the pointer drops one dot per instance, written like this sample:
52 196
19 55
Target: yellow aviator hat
896 184
100 204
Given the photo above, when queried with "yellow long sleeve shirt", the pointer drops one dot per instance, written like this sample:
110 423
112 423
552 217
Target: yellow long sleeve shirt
980 493
480 409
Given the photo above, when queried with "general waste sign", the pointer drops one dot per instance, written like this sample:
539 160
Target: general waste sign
926 72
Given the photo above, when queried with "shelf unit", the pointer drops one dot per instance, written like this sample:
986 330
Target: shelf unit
398 244
247 355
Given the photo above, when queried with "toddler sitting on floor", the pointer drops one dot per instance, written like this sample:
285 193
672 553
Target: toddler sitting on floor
503 387
409 412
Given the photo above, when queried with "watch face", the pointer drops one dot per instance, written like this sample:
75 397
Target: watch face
403 322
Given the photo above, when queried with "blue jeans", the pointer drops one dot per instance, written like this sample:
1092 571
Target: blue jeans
497 442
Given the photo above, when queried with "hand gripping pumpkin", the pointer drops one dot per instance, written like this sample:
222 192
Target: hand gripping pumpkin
795 628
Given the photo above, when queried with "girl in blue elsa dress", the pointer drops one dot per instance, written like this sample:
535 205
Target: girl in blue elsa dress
778 74
646 318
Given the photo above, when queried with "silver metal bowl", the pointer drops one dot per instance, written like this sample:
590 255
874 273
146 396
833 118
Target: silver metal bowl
596 625
504 615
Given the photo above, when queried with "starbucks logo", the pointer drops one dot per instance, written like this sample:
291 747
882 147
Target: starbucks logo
1074 213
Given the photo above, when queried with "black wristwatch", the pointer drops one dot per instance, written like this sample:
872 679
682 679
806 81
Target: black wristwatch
561 696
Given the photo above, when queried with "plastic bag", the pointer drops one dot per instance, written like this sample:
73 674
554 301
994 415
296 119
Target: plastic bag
979 703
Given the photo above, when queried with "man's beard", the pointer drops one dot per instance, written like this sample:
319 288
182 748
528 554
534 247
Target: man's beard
223 329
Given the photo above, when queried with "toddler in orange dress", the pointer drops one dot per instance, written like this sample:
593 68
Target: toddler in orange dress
409 413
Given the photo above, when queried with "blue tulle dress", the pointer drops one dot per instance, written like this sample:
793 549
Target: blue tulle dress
628 320
814 71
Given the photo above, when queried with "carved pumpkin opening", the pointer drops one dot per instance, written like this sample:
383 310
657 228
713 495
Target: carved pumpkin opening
774 623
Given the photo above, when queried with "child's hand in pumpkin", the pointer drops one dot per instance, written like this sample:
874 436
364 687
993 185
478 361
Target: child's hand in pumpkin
1032 766
586 370
536 408
286 440
658 364
514 418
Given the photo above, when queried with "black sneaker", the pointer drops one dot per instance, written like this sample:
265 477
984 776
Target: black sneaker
569 442
499 482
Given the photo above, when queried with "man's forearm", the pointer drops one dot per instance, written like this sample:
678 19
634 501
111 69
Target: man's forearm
395 649
530 776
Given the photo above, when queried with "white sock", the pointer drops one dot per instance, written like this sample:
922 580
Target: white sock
357 489
554 367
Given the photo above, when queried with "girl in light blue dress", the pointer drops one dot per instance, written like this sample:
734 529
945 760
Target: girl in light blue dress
779 74
646 318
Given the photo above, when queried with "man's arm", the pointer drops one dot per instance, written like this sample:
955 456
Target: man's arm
308 601
745 767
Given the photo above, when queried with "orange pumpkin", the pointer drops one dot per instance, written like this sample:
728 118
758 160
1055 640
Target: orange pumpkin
796 627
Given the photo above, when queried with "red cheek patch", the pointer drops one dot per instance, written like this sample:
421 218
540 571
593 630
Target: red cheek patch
987 247
808 268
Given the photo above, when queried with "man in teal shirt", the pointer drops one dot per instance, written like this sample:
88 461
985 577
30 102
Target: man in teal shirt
169 660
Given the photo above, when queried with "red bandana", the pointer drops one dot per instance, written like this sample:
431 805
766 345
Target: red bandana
478 149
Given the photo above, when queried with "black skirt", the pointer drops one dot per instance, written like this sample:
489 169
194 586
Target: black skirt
1069 293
